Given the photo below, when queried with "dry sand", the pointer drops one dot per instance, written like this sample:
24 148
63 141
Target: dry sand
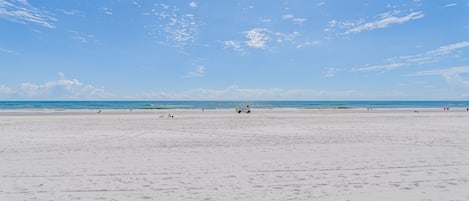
276 154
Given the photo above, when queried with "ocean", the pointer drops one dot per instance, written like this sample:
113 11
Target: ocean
155 105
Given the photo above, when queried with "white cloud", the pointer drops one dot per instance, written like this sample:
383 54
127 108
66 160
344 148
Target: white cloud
135 3
288 16
432 56
450 5
22 12
193 4
258 38
6 90
107 11
199 72
451 75
291 17
237 93
61 75
299 20
384 20
173 27
265 39
61 89
322 3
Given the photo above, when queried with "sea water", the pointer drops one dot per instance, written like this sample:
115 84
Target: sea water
68 105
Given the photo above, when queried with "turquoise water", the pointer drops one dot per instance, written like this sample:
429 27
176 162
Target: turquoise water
17 105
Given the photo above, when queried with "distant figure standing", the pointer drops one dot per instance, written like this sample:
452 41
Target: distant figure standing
467 109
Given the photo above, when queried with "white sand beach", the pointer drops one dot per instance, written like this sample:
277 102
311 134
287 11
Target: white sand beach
270 154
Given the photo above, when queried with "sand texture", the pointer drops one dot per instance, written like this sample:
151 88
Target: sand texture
271 154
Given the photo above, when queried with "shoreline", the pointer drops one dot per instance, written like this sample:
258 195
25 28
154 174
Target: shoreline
227 110
167 105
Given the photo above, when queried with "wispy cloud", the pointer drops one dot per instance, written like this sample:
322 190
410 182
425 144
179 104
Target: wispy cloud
451 75
7 51
22 11
308 43
299 20
107 11
135 3
193 4
235 92
174 26
450 5
295 20
331 71
199 72
265 20
69 12
432 56
81 37
384 67
262 38
382 21
288 16
235 45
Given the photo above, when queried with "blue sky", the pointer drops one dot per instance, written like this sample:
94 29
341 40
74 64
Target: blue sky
234 50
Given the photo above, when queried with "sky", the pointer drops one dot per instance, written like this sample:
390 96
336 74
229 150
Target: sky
234 50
